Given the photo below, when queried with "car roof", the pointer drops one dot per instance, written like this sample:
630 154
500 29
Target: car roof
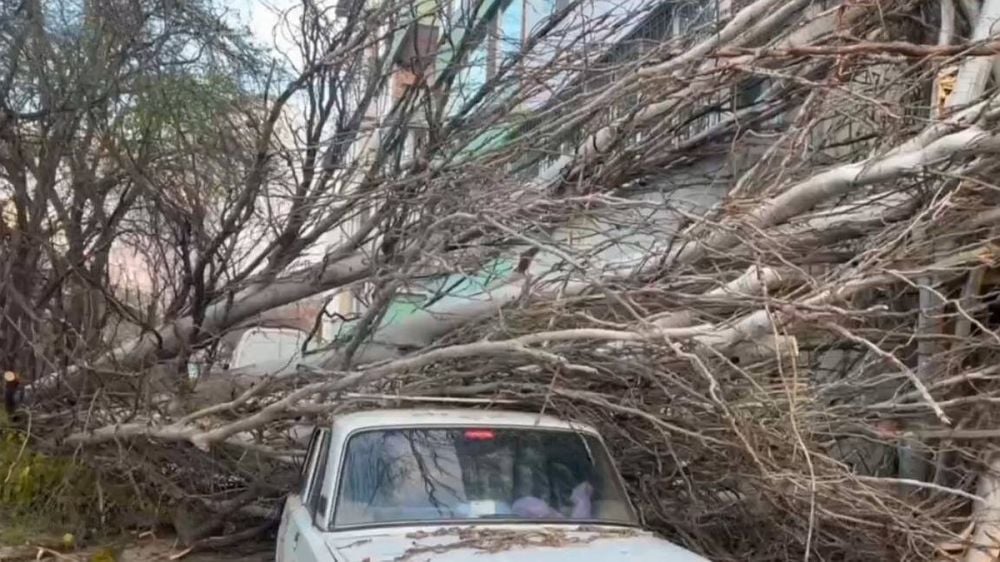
374 419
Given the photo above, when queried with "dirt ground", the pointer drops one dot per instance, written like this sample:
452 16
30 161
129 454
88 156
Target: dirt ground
160 550
144 550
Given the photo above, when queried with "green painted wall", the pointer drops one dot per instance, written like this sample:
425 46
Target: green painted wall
439 289
457 285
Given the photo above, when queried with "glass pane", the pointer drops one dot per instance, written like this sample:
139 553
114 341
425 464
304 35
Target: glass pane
434 475
312 452
534 12
693 17
511 21
316 501
472 76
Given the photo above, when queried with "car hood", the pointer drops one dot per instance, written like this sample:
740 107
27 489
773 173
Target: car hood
505 543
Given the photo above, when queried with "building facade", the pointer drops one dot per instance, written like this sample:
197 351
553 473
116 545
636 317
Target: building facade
428 48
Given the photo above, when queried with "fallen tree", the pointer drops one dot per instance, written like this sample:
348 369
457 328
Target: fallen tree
778 305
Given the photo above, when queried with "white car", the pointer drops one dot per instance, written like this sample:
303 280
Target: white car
260 345
462 485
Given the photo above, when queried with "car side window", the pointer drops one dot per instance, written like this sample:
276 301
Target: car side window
308 471
317 500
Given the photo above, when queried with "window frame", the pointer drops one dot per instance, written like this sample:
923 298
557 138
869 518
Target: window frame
306 471
316 482
616 478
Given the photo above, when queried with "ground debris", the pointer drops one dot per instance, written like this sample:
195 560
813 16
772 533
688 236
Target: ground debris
491 541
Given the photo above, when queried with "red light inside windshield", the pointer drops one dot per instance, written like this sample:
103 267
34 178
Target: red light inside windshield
480 434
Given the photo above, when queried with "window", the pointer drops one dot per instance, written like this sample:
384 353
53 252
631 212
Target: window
472 75
750 92
347 7
462 474
418 48
535 12
658 26
414 143
317 500
410 297
464 10
691 16
510 31
309 462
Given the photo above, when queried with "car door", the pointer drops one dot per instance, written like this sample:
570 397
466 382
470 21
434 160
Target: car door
299 538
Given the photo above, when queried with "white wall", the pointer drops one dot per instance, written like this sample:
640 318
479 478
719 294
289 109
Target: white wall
650 228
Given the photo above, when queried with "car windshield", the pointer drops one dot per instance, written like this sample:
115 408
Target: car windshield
434 475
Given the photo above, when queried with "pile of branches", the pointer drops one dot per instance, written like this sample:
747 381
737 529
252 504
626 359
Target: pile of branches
764 459
803 365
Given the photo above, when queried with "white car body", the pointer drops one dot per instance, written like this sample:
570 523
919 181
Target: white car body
261 345
302 536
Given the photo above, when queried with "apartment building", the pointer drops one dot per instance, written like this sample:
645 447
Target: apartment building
426 51
429 49
435 44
